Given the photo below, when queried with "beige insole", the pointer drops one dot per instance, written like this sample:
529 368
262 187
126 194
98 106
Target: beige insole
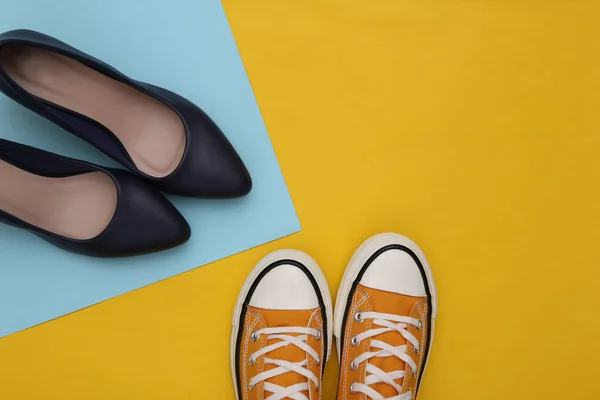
152 133
78 207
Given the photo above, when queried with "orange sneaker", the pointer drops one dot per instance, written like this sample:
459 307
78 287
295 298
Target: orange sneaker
384 320
282 330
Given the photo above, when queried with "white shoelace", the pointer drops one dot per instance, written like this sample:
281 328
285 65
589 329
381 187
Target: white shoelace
388 323
283 366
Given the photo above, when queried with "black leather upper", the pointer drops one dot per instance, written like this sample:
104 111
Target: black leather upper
210 166
144 220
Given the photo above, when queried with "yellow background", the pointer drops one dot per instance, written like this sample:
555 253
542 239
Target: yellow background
471 126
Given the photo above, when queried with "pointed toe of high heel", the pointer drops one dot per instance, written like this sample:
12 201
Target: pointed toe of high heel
210 166
145 221
236 182
211 169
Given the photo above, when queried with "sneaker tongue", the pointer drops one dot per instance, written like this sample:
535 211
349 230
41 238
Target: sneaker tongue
291 353
389 303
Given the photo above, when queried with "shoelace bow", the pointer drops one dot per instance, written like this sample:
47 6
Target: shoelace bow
284 366
388 323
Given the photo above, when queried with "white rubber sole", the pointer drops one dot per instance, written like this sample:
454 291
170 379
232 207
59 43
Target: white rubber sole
358 260
269 259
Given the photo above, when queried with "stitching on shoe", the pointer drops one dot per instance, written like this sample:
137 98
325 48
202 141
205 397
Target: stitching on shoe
261 364
315 316
249 329
346 346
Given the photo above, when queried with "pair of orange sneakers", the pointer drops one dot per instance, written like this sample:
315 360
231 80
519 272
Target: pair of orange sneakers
383 323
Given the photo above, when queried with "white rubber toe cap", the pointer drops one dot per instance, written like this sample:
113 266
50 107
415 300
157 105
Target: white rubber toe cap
285 287
395 271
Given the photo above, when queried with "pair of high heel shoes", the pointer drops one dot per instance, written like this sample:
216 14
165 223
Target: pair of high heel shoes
166 142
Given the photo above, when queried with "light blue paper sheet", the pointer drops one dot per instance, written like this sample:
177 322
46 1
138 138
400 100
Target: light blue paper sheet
187 47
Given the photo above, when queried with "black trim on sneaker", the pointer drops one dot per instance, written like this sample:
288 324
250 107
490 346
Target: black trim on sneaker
262 274
427 292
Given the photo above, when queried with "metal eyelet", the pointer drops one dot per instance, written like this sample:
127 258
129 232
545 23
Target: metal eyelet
317 361
318 337
250 385
355 342
358 316
417 349
414 373
419 325
352 390
354 365
251 360
255 336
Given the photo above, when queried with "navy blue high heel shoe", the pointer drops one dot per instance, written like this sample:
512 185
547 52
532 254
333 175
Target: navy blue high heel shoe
85 208
158 135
